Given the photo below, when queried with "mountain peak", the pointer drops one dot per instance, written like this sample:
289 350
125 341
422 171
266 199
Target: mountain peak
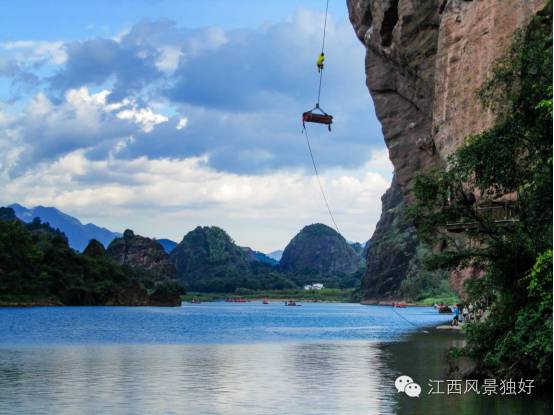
78 234
319 249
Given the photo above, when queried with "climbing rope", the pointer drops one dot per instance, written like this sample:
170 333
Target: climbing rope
325 27
319 180
319 89
322 51
328 122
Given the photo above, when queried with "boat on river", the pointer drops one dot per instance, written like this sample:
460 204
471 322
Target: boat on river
292 304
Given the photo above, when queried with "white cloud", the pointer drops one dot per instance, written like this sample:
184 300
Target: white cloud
31 51
380 162
182 123
128 108
168 197
169 58
145 117
236 159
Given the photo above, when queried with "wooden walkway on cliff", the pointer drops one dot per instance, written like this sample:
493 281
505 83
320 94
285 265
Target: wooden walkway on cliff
504 214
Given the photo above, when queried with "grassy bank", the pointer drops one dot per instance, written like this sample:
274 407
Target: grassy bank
28 301
445 299
324 295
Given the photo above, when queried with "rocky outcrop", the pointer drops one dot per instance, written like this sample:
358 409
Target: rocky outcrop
142 254
425 61
318 249
391 249
133 295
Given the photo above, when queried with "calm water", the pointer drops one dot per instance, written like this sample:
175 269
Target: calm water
218 358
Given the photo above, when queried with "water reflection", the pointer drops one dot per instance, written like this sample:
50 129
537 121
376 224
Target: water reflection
228 359
308 378
422 356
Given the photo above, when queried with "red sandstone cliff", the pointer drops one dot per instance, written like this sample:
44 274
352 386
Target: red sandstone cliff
425 61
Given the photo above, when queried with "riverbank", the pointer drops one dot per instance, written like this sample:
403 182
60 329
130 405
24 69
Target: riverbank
326 295
423 356
424 302
29 301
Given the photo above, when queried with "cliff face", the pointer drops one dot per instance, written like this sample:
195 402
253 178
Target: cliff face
425 61
391 249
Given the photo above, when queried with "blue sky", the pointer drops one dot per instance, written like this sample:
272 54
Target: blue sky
163 115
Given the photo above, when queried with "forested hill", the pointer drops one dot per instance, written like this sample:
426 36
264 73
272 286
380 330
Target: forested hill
320 250
38 267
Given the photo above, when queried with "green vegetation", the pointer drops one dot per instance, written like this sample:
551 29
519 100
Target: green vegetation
324 295
209 261
319 253
513 258
39 267
446 299
425 285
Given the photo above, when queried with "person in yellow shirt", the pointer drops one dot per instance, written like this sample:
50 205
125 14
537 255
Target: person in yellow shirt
320 60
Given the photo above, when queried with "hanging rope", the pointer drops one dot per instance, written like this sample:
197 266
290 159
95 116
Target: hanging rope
408 321
325 27
322 51
319 180
319 89
328 122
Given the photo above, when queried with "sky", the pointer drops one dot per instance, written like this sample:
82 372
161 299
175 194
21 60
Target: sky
162 115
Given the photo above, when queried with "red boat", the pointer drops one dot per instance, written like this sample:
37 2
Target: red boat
399 305
265 301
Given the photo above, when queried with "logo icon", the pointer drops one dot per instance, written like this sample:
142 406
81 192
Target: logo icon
407 385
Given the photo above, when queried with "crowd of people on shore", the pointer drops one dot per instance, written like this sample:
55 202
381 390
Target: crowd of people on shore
464 313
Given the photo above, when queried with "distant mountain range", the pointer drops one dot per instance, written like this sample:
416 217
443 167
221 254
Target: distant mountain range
167 244
77 234
207 257
276 255
257 256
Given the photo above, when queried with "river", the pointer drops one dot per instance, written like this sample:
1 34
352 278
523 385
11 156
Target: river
220 358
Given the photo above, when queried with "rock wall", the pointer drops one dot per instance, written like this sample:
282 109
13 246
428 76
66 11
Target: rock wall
390 250
425 61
